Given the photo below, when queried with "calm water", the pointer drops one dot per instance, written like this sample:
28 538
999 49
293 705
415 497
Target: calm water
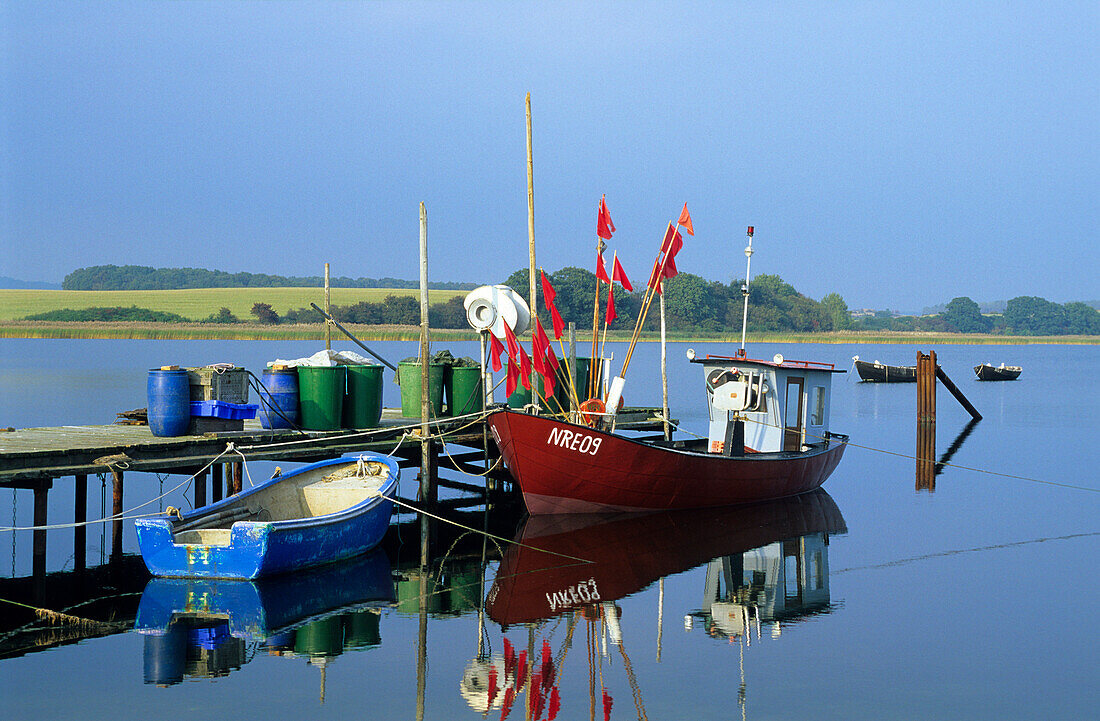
874 600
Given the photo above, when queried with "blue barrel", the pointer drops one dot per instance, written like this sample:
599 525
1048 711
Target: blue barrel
279 402
168 402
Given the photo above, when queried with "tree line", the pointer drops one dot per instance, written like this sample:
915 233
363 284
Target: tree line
139 277
692 305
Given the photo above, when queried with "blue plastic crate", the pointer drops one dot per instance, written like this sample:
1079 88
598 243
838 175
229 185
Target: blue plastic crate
221 409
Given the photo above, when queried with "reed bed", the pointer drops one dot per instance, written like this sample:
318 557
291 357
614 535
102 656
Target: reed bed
249 331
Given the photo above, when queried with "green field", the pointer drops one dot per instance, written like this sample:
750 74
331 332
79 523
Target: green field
197 304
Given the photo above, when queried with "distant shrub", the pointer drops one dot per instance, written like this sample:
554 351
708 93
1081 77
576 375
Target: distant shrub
109 315
264 313
224 315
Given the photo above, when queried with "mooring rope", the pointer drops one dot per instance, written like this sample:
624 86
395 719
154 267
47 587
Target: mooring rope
471 529
945 465
959 551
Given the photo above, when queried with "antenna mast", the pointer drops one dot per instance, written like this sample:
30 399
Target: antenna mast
745 292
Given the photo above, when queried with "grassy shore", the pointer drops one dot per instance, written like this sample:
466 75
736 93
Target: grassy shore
198 303
246 331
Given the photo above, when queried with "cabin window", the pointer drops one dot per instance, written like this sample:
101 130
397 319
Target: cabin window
817 406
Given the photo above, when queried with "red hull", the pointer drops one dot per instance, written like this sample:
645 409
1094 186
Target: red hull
565 468
626 553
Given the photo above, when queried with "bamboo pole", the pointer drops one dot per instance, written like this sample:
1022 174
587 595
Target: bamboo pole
664 381
328 313
531 236
659 269
425 402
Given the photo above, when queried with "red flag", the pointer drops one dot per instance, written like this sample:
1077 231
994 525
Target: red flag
610 314
559 324
513 376
547 290
555 317
604 226
539 336
537 356
685 220
617 273
525 379
601 272
513 344
495 349
551 357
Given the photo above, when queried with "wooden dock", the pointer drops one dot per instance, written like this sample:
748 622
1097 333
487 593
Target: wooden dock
33 458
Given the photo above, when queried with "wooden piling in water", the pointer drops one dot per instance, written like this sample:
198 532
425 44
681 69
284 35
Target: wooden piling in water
236 477
216 473
80 517
38 543
200 489
116 511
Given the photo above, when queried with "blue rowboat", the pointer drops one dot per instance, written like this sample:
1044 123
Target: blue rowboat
320 513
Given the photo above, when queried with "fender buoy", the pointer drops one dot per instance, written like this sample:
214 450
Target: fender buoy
592 410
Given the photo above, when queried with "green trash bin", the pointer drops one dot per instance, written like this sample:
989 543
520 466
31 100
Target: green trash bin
321 396
464 390
522 396
363 401
409 376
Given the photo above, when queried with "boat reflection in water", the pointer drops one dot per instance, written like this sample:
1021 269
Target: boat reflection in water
766 562
204 628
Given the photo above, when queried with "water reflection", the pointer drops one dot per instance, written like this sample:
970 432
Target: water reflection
565 562
765 563
205 628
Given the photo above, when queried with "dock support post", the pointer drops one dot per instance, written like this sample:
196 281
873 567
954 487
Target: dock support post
236 477
926 421
200 489
80 517
216 473
116 512
38 542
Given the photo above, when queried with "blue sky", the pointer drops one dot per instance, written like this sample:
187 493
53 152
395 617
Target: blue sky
899 153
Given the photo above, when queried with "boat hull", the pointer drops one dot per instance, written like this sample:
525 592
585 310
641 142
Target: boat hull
993 373
881 373
566 468
264 548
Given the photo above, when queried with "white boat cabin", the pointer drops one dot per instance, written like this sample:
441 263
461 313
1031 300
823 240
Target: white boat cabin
784 404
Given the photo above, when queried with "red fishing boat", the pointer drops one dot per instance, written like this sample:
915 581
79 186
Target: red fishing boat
777 445
768 438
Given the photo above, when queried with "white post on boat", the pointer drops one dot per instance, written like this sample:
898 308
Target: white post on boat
425 443
745 291
664 378
531 244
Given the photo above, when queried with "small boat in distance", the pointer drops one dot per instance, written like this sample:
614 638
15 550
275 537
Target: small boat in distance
881 373
320 513
989 372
